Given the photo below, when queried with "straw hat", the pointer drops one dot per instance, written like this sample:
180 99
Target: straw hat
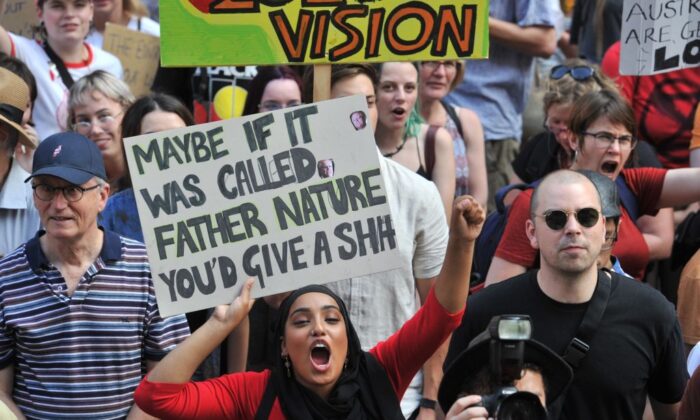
14 97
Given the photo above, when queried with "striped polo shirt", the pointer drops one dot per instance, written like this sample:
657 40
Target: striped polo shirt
81 355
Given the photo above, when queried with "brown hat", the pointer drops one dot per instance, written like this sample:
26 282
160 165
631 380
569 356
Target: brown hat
14 97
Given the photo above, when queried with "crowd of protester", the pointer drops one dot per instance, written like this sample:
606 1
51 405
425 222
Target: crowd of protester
598 255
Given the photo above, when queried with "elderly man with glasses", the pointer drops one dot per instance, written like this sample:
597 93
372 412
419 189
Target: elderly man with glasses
621 337
79 322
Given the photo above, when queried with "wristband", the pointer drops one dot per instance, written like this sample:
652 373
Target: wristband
427 403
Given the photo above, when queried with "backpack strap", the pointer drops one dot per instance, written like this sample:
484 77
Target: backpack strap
503 192
452 113
430 150
627 197
579 345
60 65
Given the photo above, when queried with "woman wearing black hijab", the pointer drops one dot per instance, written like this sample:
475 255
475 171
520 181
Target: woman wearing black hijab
322 373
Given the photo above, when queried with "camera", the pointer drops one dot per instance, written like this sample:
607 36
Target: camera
501 364
507 337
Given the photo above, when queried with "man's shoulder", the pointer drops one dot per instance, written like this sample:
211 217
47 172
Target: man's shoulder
630 294
502 294
119 248
13 258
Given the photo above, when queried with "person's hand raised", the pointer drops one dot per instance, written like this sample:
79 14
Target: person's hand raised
231 315
467 218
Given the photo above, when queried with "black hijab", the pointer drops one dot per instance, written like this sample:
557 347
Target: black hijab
363 390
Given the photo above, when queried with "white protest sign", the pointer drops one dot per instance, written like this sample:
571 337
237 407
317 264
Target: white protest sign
292 197
19 17
659 36
139 54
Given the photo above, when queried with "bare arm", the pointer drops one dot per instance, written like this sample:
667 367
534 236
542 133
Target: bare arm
658 233
5 43
443 174
664 411
136 413
501 269
7 380
681 187
179 365
237 347
452 284
476 158
538 41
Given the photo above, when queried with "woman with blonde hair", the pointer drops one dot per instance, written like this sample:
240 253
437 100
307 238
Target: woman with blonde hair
96 105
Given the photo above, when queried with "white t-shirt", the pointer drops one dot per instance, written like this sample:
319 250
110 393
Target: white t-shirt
51 106
148 26
19 219
379 304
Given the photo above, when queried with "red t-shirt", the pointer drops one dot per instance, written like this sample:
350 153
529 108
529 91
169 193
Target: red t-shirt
630 248
663 106
238 395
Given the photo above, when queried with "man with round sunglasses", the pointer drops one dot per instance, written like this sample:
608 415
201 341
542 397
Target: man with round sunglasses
635 349
79 322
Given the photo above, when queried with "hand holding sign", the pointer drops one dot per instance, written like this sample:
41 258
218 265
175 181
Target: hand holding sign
231 315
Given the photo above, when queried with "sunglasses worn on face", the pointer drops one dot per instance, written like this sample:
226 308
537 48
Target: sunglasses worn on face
556 219
579 73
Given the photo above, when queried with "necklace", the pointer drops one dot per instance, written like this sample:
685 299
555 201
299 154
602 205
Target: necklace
398 148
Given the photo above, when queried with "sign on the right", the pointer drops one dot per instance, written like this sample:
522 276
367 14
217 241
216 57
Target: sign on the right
659 36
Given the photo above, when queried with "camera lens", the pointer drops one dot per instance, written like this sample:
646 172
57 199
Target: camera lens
521 406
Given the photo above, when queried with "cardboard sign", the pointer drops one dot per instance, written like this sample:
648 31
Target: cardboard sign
19 17
659 36
139 54
245 32
291 197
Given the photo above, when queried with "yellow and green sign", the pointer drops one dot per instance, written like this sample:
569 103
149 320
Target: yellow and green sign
246 32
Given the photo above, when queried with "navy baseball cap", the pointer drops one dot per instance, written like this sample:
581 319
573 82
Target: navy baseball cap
69 156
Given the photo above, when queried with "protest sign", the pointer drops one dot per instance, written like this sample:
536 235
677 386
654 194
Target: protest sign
659 36
290 197
19 17
244 32
139 54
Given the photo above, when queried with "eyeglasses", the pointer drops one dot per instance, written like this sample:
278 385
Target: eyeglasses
556 219
433 65
579 73
71 193
603 140
84 124
275 106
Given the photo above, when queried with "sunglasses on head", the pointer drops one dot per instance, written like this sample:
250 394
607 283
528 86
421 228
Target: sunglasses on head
556 219
579 73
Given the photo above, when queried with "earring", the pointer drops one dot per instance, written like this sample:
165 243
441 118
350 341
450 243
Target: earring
287 365
345 365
